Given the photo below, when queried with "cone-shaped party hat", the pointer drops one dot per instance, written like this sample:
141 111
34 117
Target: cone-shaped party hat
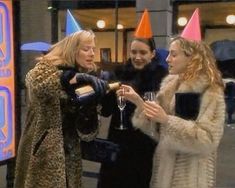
71 27
144 29
192 30
71 24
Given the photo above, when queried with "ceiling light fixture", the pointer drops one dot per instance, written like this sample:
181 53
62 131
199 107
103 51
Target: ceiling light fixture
230 19
182 21
120 26
100 24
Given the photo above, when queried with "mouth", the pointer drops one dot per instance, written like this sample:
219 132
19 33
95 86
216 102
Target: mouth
138 63
89 60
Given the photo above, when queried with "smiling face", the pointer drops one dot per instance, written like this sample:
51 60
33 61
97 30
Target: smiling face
140 54
177 59
86 54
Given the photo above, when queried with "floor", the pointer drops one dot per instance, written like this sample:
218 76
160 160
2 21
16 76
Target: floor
226 159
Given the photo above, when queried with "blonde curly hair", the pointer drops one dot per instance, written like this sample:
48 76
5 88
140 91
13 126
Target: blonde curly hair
64 52
202 61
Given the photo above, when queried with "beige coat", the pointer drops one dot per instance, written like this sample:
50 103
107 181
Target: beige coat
186 154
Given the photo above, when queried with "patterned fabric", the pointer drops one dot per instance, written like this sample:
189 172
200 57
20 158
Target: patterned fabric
186 154
49 151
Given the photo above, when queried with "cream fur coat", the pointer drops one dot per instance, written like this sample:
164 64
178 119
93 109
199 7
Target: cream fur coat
186 154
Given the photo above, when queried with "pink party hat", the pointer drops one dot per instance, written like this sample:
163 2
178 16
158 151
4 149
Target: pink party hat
192 30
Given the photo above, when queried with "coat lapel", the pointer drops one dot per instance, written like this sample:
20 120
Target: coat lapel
172 84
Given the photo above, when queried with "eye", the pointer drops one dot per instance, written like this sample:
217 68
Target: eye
143 52
173 54
87 49
133 52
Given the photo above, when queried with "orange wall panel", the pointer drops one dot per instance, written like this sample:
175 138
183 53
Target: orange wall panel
7 82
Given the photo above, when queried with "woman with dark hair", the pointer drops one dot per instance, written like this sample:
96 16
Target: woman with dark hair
134 163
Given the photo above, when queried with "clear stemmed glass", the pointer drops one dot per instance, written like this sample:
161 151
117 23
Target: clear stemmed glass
121 102
150 96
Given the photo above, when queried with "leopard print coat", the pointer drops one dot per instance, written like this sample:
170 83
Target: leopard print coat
49 151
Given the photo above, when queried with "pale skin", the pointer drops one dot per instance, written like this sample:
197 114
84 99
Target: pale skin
140 54
151 109
177 61
85 57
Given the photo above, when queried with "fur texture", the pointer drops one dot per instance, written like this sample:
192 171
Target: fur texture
186 154
49 151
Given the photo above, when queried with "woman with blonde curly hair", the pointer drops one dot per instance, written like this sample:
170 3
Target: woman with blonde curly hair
188 115
49 152
202 60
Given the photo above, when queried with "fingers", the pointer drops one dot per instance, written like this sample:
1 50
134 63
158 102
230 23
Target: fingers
73 80
151 109
120 91
124 89
151 103
127 88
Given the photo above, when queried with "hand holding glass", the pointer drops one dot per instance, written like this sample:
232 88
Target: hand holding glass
150 96
121 102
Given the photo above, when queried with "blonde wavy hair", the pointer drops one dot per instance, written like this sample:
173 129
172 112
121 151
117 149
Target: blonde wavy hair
202 61
64 52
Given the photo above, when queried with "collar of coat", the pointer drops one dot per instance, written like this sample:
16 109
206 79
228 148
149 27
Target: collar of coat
197 85
128 70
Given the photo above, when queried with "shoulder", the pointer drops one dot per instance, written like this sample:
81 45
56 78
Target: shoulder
42 70
124 71
43 66
107 75
169 79
214 93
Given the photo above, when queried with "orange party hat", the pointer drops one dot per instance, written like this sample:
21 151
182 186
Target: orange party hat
144 29
192 30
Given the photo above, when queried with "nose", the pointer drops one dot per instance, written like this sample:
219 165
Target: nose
168 59
92 51
138 56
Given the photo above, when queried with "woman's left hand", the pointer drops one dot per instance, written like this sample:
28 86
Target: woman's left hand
155 112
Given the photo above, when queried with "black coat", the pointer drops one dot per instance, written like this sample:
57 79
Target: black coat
134 164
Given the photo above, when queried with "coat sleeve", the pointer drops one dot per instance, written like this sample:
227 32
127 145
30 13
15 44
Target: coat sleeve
108 103
201 136
43 82
139 121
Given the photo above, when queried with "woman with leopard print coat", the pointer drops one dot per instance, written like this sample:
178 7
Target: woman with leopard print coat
49 153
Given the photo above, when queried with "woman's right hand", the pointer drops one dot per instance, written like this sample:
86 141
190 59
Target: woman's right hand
100 86
130 95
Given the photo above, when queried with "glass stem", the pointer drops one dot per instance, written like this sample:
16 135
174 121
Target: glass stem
151 128
121 117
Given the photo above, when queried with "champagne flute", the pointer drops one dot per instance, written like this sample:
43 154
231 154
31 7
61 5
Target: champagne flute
150 96
121 102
